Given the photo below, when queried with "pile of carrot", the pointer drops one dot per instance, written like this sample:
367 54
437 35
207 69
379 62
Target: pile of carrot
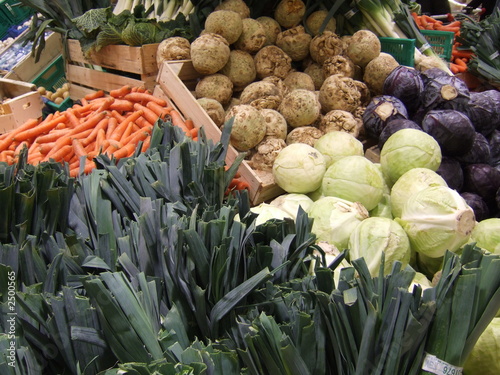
113 124
459 57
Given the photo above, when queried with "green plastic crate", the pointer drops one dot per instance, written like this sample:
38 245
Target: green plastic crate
15 11
403 50
440 41
52 78
5 23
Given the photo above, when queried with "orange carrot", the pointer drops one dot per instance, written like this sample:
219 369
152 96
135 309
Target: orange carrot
52 136
112 123
137 136
144 97
93 134
122 91
177 120
124 151
94 95
44 148
105 104
78 148
92 121
128 130
189 123
117 133
122 105
101 136
64 152
160 111
40 129
117 115
146 144
148 113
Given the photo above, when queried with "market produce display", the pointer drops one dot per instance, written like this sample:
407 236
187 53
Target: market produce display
128 240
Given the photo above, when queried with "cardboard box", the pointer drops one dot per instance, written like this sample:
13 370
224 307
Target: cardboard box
173 80
111 68
24 103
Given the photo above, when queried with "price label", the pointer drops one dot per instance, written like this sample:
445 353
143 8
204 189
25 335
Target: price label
439 367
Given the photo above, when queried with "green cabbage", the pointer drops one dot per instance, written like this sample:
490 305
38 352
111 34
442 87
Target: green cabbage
356 179
139 33
291 202
335 145
486 235
407 149
334 219
437 219
375 236
485 356
411 182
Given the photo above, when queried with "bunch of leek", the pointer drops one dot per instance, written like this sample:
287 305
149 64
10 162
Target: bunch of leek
161 10
483 37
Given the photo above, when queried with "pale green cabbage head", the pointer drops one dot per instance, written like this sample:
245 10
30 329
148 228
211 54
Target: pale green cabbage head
335 145
486 235
356 179
267 212
407 149
334 219
437 219
411 182
299 168
291 202
375 236
484 358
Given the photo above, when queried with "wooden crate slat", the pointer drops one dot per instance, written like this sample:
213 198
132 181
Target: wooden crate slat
99 80
138 60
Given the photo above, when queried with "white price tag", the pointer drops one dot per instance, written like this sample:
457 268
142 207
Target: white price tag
424 47
439 367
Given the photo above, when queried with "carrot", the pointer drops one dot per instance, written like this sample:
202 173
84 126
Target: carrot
160 111
177 120
447 28
455 68
193 133
113 146
20 146
94 95
122 105
124 151
416 18
189 123
89 123
112 123
146 144
122 91
78 148
137 136
101 125
64 152
128 130
40 129
117 115
118 131
52 136
461 63
44 148
60 143
104 104
101 136
144 97
148 113
462 53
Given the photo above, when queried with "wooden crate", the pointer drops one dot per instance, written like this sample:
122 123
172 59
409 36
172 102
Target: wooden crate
110 68
173 80
25 103
27 69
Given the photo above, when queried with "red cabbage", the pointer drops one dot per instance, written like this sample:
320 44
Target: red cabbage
407 85
380 110
494 142
445 92
451 171
393 126
484 112
482 179
479 153
451 129
478 205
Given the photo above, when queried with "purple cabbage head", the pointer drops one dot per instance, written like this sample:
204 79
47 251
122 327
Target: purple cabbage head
451 129
484 112
407 85
482 179
451 171
445 92
478 205
479 153
494 142
380 110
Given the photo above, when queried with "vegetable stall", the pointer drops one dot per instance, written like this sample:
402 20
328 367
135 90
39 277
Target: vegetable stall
240 187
